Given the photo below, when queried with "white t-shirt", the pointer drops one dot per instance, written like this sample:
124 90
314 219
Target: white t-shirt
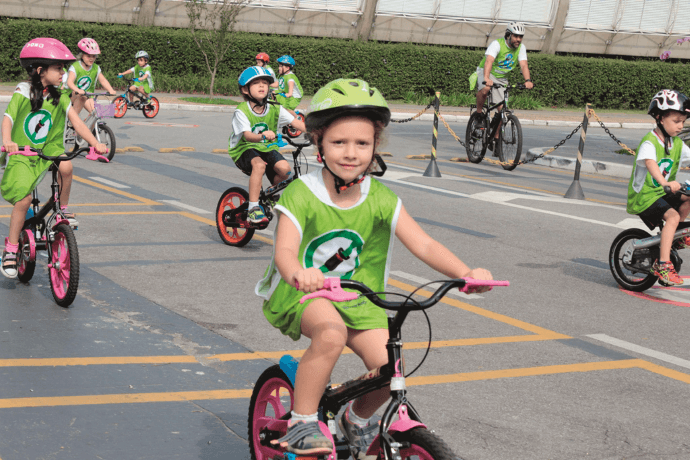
494 48
647 151
241 124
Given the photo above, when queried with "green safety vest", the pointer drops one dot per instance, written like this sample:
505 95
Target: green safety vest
85 79
297 92
365 233
505 60
642 198
139 72
260 123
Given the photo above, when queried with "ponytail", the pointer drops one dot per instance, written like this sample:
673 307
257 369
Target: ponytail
36 91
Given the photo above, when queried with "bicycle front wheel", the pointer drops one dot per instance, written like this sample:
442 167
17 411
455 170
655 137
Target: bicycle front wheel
475 137
510 143
151 109
120 107
63 265
26 256
421 444
272 399
106 136
231 199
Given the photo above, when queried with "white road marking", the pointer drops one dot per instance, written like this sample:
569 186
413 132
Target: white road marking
495 196
108 182
419 280
641 350
179 204
633 222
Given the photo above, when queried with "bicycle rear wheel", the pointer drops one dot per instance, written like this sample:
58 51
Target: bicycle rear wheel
26 256
231 199
475 137
63 265
120 107
421 444
107 137
510 143
151 109
636 274
272 399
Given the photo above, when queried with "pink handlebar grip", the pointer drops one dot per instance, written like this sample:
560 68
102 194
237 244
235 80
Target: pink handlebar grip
331 291
472 284
95 156
26 152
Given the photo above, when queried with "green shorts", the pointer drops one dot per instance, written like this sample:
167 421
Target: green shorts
143 86
22 176
290 103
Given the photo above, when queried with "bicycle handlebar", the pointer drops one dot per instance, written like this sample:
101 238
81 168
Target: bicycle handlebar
499 85
333 290
683 189
296 144
30 152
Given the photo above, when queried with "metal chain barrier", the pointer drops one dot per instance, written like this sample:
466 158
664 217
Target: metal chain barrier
452 133
416 116
592 114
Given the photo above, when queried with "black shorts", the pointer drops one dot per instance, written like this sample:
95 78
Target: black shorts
270 158
655 212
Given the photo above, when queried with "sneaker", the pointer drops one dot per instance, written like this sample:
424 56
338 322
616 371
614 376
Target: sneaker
73 222
256 215
667 273
682 243
358 437
306 438
9 264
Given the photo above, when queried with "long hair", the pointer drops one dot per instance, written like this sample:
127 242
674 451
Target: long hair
36 92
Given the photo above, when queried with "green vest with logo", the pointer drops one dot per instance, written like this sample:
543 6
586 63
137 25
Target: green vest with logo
505 60
364 233
259 124
651 191
43 129
139 73
283 84
85 79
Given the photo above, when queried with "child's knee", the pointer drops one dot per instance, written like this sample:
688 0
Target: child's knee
331 337
66 168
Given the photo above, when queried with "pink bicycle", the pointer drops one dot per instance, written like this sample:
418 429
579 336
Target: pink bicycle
405 438
47 228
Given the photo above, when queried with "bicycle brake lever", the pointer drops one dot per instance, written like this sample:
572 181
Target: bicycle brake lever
96 156
471 284
331 291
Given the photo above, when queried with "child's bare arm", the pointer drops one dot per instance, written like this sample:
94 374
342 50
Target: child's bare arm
253 137
655 172
287 248
7 135
298 124
433 253
291 87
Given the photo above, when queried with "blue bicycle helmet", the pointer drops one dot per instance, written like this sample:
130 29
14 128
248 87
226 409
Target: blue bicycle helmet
287 60
252 73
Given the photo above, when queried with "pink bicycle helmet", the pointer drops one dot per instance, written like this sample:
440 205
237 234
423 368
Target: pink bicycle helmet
44 51
89 46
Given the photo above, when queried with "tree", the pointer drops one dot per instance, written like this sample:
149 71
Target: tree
212 26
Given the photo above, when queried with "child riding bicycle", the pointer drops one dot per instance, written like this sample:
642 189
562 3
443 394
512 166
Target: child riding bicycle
288 84
658 158
143 78
82 75
36 117
338 222
262 60
251 145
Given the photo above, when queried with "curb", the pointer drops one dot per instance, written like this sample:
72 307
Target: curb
400 116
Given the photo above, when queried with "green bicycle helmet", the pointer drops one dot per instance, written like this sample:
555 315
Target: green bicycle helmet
344 97
347 97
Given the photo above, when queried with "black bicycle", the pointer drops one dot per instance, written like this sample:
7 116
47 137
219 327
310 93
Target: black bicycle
232 209
406 438
149 107
482 134
46 228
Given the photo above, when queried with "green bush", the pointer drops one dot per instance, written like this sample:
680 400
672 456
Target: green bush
399 70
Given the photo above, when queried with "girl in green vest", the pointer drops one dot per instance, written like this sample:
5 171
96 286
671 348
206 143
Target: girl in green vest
658 158
340 209
83 74
36 117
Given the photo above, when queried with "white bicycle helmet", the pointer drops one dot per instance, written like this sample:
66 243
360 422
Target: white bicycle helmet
668 99
516 28
143 54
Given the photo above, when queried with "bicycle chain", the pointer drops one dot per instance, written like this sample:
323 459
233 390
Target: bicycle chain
416 116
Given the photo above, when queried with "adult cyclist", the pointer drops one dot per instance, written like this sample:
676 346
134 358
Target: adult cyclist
499 60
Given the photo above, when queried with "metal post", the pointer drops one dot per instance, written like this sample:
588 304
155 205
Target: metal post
432 169
575 190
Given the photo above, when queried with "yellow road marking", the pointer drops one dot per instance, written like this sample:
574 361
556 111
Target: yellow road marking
52 362
213 224
482 312
116 191
666 372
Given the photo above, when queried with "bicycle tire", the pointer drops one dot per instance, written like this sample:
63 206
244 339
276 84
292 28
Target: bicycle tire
624 276
510 143
25 266
292 132
421 444
151 109
105 131
120 106
233 236
272 398
63 265
475 137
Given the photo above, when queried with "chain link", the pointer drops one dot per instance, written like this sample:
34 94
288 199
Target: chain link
592 114
416 116
452 133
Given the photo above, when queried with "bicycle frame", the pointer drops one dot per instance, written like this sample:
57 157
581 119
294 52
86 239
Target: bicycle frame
38 221
91 120
501 114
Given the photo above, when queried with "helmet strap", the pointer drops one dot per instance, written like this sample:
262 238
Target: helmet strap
341 185
667 138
